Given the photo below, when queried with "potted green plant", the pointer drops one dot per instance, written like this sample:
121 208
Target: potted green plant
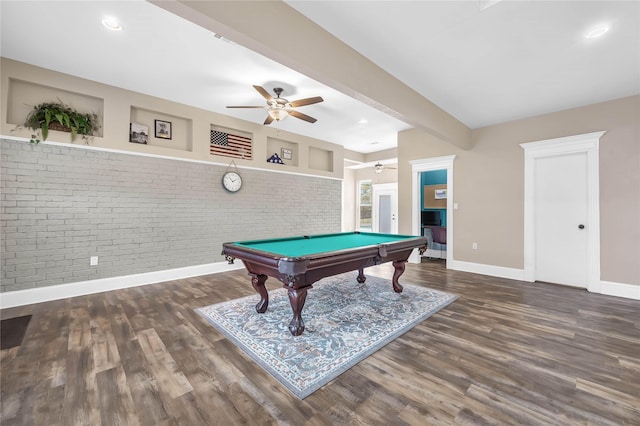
59 116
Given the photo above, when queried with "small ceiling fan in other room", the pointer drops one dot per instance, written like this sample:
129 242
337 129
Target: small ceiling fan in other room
280 108
379 167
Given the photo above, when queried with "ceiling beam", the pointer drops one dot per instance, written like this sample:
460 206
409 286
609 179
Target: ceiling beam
279 32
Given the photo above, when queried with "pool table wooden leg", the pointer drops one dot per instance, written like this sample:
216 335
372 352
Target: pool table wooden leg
297 299
361 278
257 281
398 269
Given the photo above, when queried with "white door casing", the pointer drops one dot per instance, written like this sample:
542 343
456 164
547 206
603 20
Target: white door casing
588 144
426 165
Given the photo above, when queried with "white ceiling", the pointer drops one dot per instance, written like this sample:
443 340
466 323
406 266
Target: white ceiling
483 65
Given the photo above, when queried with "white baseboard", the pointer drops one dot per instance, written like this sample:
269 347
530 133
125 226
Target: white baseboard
81 288
628 291
494 271
435 254
44 294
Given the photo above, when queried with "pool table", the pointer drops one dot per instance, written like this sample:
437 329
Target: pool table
298 262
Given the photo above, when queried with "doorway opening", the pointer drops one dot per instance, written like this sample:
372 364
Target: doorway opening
445 165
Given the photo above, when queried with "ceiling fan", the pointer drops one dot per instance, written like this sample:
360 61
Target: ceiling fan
379 167
280 108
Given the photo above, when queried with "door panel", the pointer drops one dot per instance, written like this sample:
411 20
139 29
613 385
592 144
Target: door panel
384 223
560 210
385 208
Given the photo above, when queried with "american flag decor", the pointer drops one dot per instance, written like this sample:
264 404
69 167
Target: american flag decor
230 145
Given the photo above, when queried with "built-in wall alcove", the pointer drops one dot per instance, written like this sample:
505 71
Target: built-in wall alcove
289 152
23 95
165 130
320 159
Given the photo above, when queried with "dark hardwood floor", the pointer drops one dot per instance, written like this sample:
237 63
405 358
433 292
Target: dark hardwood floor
506 352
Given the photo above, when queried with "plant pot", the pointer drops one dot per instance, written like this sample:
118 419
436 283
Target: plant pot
54 125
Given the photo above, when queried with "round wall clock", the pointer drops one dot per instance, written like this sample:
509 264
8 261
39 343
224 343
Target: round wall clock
232 181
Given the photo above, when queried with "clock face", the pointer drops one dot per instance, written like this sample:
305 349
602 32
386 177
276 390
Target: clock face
232 181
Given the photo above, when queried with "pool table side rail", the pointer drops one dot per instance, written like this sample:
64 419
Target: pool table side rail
232 249
258 261
318 236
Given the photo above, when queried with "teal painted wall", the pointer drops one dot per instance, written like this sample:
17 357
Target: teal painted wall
434 177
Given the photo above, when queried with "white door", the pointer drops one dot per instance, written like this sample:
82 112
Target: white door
565 169
560 214
385 208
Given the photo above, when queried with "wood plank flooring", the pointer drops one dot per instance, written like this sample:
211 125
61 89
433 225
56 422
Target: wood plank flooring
506 352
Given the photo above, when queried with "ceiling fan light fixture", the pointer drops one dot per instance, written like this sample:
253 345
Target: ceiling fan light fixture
598 31
278 114
112 23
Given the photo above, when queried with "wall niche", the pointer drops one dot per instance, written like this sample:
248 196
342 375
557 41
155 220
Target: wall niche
24 95
320 159
173 132
287 151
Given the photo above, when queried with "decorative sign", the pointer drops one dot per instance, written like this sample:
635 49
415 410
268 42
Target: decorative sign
440 194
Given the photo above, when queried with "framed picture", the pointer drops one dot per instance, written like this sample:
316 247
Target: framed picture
287 154
138 133
163 129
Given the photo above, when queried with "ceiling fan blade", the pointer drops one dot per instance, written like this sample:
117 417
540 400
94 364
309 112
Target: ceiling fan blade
246 106
263 92
306 101
268 120
301 116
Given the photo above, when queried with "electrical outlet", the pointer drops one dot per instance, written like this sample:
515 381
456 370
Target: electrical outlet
474 246
93 261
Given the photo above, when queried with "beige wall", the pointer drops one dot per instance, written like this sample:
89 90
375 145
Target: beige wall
489 184
349 200
350 194
117 105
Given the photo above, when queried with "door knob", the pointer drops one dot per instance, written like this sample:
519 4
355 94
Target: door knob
581 226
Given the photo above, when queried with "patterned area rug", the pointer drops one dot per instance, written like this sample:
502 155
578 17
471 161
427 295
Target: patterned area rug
345 322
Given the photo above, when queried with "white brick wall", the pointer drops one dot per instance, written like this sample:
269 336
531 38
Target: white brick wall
60 205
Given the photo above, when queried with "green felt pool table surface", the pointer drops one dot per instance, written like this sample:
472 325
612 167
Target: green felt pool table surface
316 244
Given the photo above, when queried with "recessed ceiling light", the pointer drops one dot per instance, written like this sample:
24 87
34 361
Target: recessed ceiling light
363 121
112 23
596 32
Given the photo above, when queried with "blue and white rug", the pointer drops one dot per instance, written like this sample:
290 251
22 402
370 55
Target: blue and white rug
345 322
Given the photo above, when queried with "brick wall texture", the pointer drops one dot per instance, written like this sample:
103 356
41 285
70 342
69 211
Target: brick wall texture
61 205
